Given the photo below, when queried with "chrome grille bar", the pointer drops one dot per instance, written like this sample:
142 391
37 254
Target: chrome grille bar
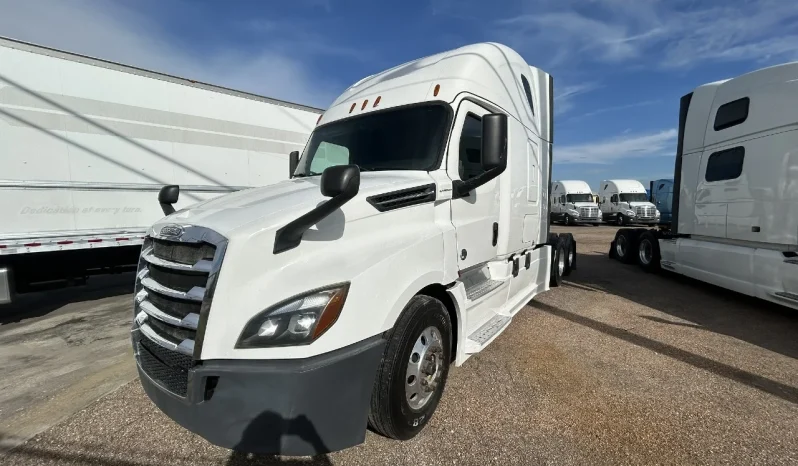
194 294
203 265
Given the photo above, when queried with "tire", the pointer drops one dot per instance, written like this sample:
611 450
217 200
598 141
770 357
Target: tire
620 220
625 245
557 265
391 413
568 221
565 240
571 253
648 253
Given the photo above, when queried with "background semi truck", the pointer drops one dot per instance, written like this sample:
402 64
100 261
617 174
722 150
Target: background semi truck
413 228
735 190
660 193
86 143
572 202
625 201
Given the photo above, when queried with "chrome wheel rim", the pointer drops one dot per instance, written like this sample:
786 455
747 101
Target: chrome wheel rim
424 368
620 246
646 252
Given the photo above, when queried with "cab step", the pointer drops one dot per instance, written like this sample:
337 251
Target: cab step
484 334
482 288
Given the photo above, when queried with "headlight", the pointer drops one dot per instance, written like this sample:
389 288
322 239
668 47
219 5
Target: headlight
630 213
573 212
297 321
658 214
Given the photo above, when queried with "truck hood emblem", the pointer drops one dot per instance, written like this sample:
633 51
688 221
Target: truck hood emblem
172 231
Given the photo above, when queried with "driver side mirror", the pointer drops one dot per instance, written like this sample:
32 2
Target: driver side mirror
340 183
494 142
293 162
493 153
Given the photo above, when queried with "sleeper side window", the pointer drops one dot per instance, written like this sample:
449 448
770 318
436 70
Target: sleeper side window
732 113
614 198
528 92
725 165
471 148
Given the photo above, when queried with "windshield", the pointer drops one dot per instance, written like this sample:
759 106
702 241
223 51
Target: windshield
579 198
410 138
634 197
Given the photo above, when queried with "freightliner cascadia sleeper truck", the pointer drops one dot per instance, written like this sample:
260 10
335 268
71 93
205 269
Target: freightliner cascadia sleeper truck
413 228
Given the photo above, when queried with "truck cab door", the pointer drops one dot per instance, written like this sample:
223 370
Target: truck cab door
475 216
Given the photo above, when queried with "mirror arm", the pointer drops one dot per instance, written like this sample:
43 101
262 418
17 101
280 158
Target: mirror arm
463 188
168 209
290 235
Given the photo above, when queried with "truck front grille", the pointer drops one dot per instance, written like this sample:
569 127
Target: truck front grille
645 212
588 212
174 289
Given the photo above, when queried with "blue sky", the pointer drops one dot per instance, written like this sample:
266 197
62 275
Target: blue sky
620 66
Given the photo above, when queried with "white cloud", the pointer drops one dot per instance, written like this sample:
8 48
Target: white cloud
668 34
615 108
112 31
662 143
564 96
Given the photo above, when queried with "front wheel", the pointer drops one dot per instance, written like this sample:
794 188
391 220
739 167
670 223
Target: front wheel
413 371
620 220
568 220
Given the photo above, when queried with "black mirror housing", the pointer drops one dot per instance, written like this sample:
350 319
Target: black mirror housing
340 183
340 180
293 162
167 196
494 141
494 154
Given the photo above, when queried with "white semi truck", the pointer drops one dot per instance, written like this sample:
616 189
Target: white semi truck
625 201
735 190
84 144
413 228
572 202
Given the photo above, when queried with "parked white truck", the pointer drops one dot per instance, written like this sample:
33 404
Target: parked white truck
84 144
414 227
625 201
572 202
735 190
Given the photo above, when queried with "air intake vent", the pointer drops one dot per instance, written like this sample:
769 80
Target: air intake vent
403 198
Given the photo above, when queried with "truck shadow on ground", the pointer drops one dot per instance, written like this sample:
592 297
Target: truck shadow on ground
41 303
266 432
692 303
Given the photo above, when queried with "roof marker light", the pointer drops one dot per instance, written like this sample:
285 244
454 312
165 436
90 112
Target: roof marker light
377 101
365 102
437 89
95 241
64 242
352 107
32 245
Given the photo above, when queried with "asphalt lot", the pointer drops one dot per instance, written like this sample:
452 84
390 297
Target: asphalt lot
615 367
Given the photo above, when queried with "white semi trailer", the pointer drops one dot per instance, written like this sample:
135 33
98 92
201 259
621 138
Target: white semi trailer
413 228
84 144
735 190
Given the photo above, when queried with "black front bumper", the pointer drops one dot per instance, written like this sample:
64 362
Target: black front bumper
286 407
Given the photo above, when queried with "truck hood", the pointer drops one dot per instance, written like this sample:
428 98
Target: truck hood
641 204
585 204
278 204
